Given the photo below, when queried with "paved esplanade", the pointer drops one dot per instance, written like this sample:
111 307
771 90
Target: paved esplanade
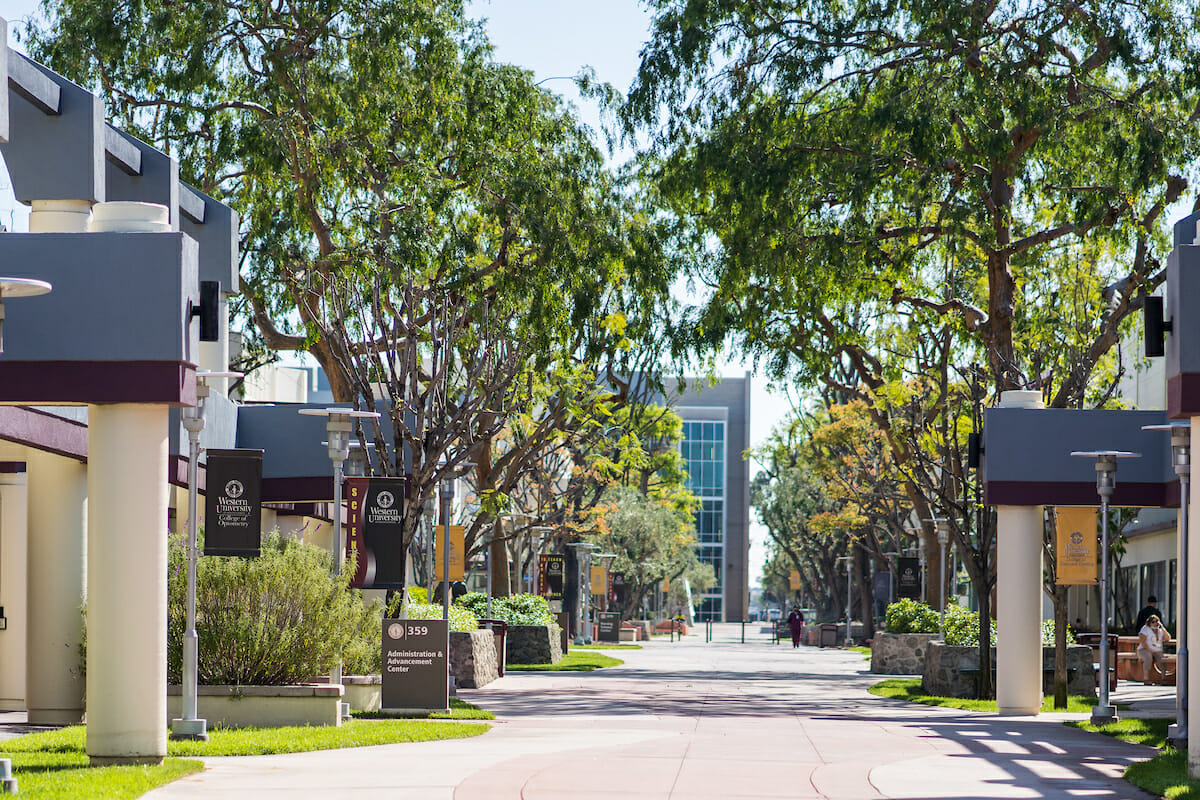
695 720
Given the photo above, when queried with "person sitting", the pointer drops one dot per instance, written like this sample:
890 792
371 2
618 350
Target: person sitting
1152 640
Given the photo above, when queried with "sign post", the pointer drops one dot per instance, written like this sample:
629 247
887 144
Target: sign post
416 665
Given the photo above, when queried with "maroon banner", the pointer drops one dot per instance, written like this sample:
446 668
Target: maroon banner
550 576
374 525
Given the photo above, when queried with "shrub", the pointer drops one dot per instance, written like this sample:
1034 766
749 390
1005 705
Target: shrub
517 609
962 625
461 619
910 616
277 619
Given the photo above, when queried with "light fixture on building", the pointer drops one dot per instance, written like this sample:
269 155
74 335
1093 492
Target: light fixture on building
18 287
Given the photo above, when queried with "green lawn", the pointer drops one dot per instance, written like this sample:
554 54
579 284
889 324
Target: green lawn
54 764
606 646
909 689
576 660
459 709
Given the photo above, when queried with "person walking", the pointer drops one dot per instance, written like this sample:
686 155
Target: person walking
795 623
1151 641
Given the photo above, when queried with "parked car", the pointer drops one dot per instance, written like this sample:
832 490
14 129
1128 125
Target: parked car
774 614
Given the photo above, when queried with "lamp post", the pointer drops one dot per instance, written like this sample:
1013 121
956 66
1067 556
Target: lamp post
943 533
1106 482
1181 459
338 425
191 726
446 495
583 565
849 585
18 287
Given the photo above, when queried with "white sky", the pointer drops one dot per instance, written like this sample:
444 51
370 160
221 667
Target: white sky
553 39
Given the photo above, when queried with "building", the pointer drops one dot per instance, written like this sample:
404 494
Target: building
716 434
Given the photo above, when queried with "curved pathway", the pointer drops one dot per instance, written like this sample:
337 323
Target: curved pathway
697 720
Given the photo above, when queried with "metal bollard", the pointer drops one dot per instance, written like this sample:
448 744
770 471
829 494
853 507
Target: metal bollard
8 784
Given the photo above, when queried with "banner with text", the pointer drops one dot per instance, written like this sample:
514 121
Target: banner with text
374 538
233 503
1077 546
909 583
599 582
616 589
550 576
458 561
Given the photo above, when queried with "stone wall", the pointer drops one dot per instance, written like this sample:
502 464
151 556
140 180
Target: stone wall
473 658
899 653
534 644
954 671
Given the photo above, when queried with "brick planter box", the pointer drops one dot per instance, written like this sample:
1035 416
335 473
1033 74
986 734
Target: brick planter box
534 644
473 658
899 653
262 706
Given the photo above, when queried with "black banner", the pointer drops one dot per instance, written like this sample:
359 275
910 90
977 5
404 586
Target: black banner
550 576
909 583
233 503
374 538
616 589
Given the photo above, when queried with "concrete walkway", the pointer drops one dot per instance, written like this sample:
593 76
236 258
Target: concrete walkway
704 720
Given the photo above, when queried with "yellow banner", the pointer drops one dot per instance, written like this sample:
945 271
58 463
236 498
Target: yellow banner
599 581
1077 546
794 580
458 561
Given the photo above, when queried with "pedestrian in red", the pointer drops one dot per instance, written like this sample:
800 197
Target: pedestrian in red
795 622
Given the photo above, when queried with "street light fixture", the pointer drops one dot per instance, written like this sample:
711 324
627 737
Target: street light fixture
338 425
1181 459
849 598
18 287
191 726
583 567
1106 482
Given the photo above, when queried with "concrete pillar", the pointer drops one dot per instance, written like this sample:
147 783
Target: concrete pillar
57 588
127 590
13 590
1019 594
57 533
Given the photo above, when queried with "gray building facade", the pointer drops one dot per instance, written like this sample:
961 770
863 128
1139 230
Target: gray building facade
716 434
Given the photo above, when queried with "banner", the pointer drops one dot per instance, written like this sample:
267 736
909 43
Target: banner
458 561
599 582
1076 544
794 580
550 576
233 503
374 531
909 583
616 589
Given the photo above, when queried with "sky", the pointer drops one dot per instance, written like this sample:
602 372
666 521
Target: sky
554 39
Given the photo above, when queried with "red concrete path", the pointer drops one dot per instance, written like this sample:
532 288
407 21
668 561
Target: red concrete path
703 720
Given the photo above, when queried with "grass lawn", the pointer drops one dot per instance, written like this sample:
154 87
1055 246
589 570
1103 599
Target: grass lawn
606 646
459 709
577 660
54 764
1165 775
909 689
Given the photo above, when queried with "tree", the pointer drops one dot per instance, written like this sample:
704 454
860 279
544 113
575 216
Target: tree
432 227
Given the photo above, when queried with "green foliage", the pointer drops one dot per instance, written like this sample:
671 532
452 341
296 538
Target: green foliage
962 625
910 616
277 619
574 661
461 618
517 609
909 690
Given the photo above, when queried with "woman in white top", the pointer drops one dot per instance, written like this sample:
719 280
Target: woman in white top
1151 640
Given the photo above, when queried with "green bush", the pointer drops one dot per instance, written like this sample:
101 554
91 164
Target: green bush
962 625
517 609
277 619
910 616
461 619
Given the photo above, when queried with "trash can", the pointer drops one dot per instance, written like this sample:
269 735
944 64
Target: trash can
829 634
500 632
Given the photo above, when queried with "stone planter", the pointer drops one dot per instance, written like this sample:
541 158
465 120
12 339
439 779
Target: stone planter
473 658
363 692
954 671
534 644
899 653
262 706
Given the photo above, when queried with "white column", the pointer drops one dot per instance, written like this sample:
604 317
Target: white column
57 587
13 559
1019 609
1193 606
127 590
1019 594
